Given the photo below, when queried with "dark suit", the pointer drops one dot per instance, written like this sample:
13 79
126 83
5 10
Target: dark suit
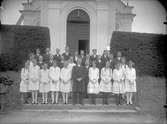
40 64
66 56
37 57
93 58
46 58
78 87
86 80
57 57
104 59
83 60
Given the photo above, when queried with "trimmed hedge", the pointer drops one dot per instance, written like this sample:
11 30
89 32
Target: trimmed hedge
18 41
148 51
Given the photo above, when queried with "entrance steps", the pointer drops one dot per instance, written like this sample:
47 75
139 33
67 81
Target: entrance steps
70 114
80 108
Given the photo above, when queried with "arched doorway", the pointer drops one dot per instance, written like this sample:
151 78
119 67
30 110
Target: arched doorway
78 31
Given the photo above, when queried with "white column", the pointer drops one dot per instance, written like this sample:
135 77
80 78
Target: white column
44 8
54 27
102 27
93 32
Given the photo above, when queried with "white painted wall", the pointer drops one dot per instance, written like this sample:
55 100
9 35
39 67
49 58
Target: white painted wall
10 11
150 15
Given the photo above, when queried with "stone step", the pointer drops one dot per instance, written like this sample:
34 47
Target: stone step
80 108
64 117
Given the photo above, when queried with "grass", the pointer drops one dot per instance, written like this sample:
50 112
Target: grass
152 95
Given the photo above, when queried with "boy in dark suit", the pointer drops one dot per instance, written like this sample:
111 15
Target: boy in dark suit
104 58
66 55
57 57
94 56
82 55
46 56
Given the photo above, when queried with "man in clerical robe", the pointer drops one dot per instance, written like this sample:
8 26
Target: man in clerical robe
79 75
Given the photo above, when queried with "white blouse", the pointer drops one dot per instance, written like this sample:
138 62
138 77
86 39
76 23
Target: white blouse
65 74
54 73
106 74
123 68
44 75
118 75
24 74
130 74
34 72
93 74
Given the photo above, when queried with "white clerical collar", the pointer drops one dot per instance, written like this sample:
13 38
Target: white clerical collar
78 65
119 58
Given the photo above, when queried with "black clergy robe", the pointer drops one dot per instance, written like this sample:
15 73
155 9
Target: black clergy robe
78 87
79 72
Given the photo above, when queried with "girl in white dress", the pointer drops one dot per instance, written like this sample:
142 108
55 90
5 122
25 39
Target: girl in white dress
93 85
65 86
123 67
130 82
54 75
105 84
34 81
44 83
118 86
24 81
71 64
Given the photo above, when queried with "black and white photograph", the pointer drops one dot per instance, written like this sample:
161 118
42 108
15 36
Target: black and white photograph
83 62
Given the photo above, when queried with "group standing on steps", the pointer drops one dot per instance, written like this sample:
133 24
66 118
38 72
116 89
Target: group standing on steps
78 76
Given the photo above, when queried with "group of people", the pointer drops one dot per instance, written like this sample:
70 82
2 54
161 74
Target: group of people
79 76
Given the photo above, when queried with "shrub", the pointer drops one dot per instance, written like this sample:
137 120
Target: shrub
146 50
18 41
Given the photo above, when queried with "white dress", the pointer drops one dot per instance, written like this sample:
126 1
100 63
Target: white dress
44 81
71 65
118 85
24 80
130 81
65 76
54 76
93 85
34 78
106 76
123 68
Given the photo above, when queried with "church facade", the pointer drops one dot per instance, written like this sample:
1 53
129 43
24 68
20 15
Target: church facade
80 24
